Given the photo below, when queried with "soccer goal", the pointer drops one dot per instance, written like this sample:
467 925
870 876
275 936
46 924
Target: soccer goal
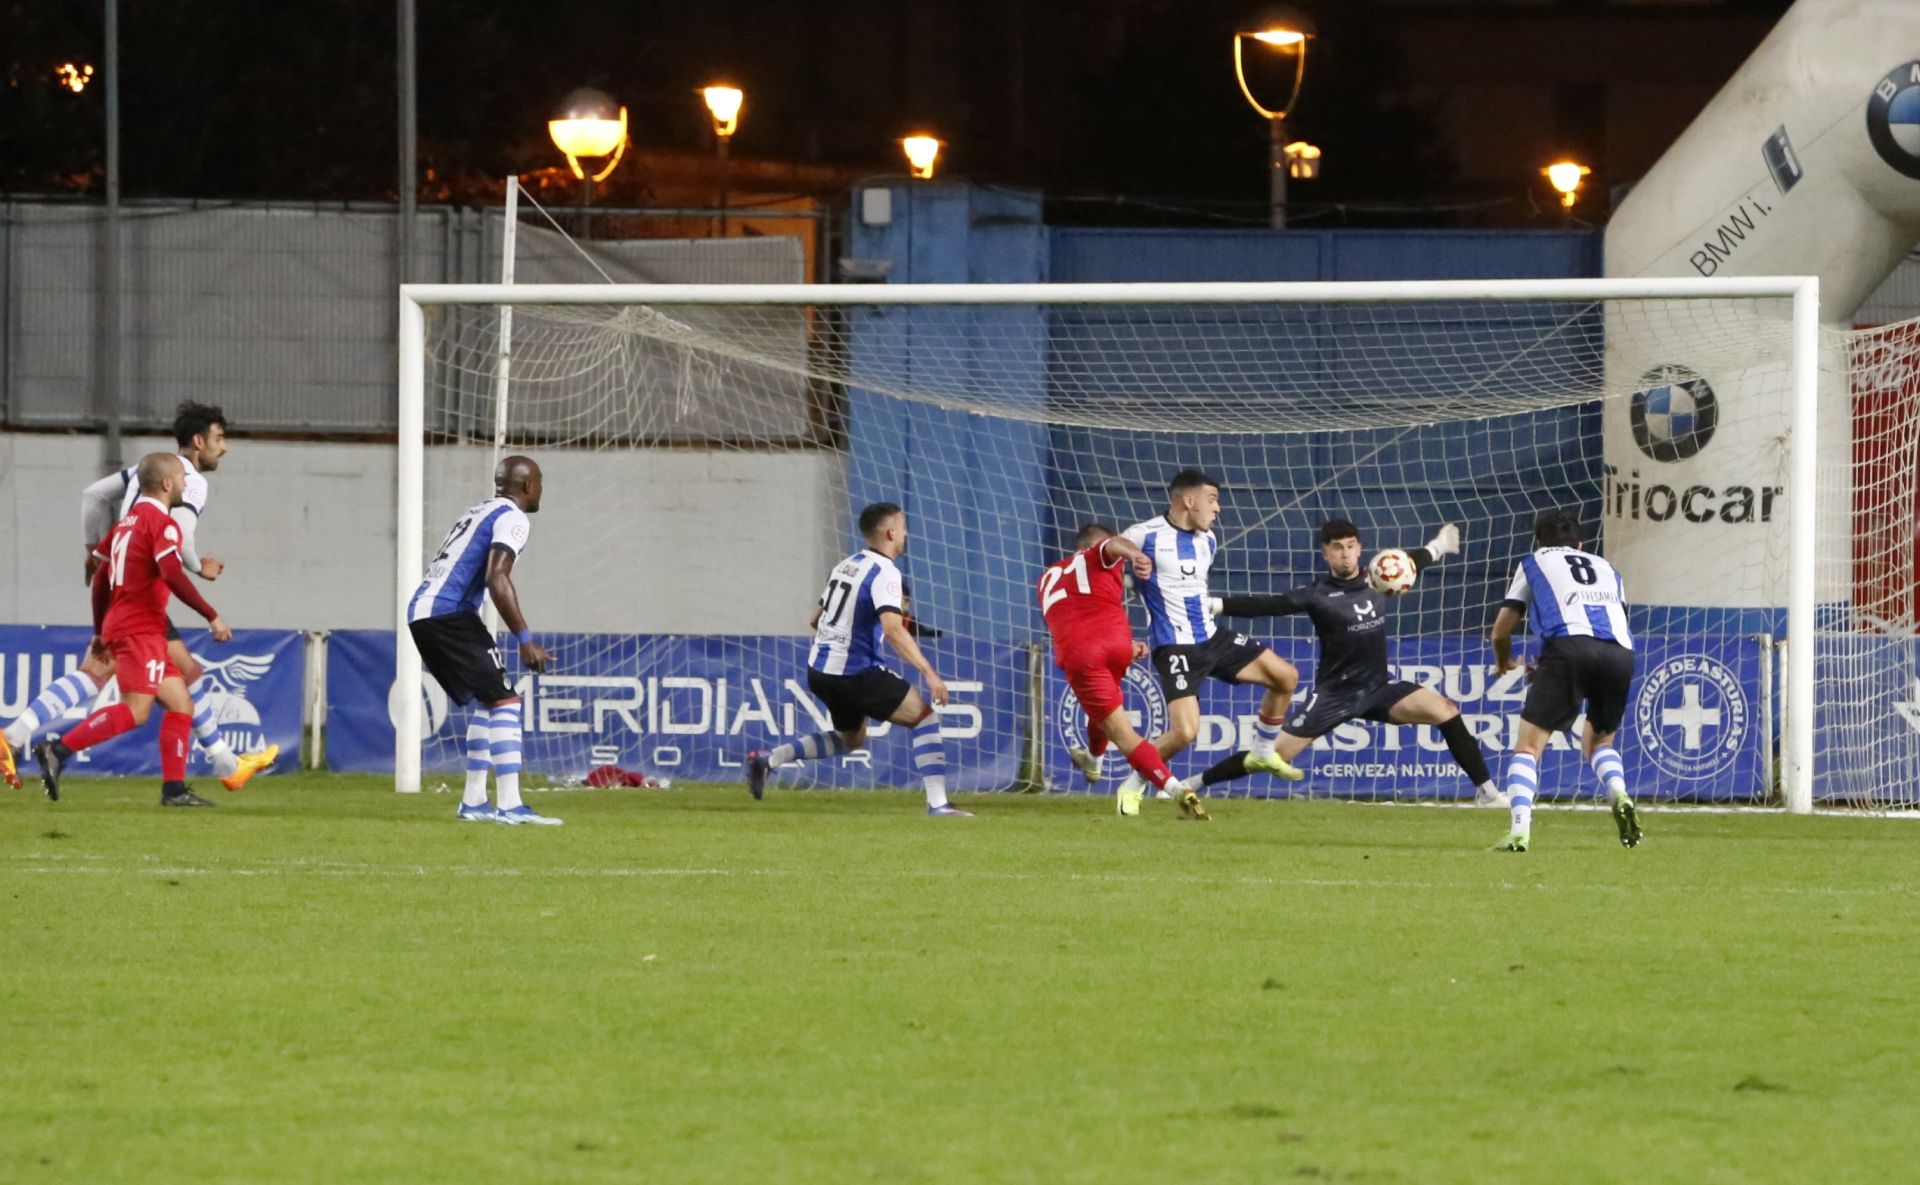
707 448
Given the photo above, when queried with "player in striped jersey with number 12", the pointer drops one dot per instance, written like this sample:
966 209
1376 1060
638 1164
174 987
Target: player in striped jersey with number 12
1578 605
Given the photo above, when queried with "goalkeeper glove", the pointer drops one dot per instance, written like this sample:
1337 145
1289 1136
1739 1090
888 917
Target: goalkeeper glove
1445 542
1215 606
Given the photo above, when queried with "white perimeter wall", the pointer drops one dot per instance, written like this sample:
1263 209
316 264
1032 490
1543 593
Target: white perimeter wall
699 542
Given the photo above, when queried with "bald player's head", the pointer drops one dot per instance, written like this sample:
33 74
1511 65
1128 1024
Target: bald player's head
518 478
163 478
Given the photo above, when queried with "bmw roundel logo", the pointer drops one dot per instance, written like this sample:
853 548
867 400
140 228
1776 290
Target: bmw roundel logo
1893 119
1674 413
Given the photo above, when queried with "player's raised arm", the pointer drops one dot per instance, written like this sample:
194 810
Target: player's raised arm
1445 542
1264 604
1130 551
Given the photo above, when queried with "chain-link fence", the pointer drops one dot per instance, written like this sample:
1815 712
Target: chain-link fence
284 315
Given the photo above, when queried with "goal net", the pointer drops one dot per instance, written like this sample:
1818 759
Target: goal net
708 448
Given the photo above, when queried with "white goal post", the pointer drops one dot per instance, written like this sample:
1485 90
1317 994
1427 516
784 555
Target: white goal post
1797 728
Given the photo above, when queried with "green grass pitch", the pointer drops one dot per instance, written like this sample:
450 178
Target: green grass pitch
324 981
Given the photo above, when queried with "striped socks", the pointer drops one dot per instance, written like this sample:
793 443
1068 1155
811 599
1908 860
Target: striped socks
1611 771
503 750
808 748
930 759
54 701
1523 782
212 743
479 758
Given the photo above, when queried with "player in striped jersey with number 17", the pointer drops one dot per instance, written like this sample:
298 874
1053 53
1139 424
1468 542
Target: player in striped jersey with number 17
865 602
1578 605
1082 600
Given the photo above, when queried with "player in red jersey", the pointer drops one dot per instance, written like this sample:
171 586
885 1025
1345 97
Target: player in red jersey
1081 598
140 563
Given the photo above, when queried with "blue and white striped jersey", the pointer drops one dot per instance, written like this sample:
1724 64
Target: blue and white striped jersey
457 578
1567 592
859 589
1176 593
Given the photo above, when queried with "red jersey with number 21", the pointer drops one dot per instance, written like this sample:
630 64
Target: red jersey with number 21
133 552
1081 598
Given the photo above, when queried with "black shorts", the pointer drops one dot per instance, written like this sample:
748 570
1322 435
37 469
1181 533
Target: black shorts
1222 657
1317 714
852 700
173 633
461 656
1573 671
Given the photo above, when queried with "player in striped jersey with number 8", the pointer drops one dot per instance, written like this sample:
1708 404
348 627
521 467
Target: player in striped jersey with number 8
1578 605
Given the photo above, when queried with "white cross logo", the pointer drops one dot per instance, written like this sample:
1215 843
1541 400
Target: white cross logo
1690 715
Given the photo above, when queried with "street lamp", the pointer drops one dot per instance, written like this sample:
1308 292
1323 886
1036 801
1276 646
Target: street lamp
589 124
922 151
723 103
1566 177
1303 160
1286 30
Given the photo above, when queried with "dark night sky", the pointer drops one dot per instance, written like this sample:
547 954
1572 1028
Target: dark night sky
1132 97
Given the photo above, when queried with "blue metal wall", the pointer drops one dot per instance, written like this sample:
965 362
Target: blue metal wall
1396 485
1080 255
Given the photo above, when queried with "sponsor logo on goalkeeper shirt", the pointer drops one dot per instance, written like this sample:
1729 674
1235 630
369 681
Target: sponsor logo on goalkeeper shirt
1893 118
1692 715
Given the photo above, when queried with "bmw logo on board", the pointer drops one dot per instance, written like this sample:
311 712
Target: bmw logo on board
1674 413
1893 119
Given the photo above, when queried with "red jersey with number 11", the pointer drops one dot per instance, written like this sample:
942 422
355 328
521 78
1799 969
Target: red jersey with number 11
132 553
1082 595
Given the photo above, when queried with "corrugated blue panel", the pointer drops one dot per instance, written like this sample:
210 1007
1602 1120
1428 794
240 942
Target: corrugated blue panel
1136 256
1462 254
1139 256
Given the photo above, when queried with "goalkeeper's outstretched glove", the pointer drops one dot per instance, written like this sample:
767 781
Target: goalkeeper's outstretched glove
1445 542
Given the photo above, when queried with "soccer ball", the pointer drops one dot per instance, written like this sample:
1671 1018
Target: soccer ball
1391 571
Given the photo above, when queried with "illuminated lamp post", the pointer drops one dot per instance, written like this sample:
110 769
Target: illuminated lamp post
922 152
723 103
1566 177
1285 30
589 124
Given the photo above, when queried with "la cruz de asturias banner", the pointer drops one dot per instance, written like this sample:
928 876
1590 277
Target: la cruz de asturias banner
254 686
692 707
685 707
1693 730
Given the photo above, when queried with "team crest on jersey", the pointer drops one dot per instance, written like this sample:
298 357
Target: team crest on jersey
223 692
1140 691
1692 716
1893 118
1674 413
